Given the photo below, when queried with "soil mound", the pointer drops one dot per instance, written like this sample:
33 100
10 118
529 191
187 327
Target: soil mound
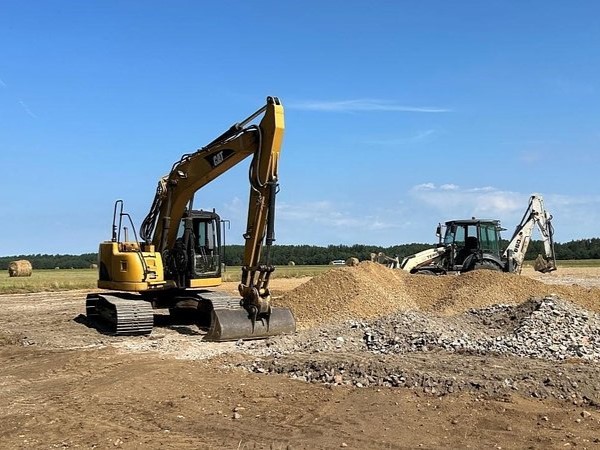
364 291
371 290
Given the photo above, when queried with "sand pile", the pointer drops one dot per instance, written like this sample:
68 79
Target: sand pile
364 291
371 290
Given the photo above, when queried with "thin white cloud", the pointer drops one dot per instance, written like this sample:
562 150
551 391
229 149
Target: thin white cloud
448 187
418 137
26 108
2 83
328 214
362 105
451 198
530 156
424 187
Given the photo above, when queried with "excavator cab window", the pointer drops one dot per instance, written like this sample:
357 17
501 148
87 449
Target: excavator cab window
206 245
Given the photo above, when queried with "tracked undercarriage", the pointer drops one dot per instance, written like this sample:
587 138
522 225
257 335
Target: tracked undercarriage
220 314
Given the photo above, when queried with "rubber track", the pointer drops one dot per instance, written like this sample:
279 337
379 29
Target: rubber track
127 316
221 300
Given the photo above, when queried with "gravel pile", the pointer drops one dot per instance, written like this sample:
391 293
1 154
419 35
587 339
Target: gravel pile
371 290
548 328
544 347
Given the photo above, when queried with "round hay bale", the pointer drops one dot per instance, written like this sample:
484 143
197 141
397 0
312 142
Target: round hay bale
291 263
20 268
352 261
93 266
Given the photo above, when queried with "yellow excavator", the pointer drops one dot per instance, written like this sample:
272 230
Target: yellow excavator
179 257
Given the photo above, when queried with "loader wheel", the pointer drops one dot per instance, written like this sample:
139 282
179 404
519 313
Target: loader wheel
425 272
487 265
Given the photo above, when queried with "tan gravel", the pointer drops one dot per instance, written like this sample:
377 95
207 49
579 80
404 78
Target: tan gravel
370 290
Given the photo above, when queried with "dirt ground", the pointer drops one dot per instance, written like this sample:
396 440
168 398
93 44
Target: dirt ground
64 385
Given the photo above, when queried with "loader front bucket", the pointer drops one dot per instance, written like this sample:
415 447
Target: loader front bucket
235 323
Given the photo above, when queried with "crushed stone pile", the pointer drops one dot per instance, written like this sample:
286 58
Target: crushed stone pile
372 290
557 343
545 328
548 328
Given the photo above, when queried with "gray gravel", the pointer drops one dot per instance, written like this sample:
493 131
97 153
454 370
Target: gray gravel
548 328
545 347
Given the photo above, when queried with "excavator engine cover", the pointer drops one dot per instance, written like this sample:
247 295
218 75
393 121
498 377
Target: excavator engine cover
231 324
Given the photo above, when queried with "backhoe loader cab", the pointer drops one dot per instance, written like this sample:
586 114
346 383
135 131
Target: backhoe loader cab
472 244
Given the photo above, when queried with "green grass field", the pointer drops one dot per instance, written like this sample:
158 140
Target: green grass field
67 279
49 280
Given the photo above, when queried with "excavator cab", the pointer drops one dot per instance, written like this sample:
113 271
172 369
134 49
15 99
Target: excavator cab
196 256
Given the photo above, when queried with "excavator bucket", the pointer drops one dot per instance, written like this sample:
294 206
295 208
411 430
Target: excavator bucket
231 324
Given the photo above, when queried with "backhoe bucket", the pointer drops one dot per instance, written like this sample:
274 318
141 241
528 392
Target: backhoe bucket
543 265
235 323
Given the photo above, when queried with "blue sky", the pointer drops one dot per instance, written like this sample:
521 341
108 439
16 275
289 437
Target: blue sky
398 114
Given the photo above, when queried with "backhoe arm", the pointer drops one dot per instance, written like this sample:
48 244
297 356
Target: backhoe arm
535 215
261 218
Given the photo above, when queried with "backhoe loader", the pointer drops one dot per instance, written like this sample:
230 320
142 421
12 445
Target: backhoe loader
473 244
179 257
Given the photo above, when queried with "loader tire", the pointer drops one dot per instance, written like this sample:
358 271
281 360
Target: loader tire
425 272
487 265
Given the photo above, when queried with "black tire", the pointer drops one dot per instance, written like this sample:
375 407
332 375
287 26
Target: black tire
425 272
487 265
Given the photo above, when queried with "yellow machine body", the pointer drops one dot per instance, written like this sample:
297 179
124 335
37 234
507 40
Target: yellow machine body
124 266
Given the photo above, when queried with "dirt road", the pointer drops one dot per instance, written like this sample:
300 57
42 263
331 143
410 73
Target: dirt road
63 385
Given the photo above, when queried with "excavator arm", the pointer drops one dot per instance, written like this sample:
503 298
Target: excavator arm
535 215
175 194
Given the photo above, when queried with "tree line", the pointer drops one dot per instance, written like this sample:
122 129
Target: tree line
315 255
